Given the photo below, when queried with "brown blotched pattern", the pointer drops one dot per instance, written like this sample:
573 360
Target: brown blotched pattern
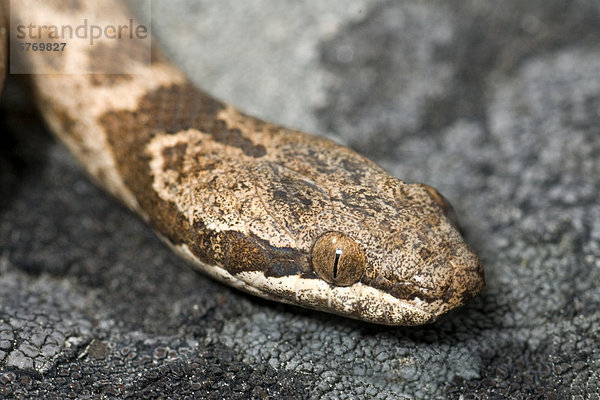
246 200
250 196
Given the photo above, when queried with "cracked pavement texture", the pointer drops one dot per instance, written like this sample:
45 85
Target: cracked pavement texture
497 105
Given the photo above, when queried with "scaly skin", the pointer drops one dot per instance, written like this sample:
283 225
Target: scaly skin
246 201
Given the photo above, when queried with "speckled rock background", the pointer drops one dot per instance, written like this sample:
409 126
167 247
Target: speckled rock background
497 104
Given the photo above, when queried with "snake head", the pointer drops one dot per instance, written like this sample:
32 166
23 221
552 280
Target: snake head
408 268
308 222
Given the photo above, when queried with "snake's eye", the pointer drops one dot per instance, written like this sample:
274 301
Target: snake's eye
338 259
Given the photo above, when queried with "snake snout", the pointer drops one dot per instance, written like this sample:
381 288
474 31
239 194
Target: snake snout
468 278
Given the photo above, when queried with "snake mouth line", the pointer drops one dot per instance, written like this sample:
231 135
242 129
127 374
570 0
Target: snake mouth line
357 301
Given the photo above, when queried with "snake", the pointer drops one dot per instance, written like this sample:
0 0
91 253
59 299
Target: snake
272 211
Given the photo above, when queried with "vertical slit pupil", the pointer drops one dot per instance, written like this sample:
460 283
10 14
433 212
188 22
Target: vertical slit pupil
338 253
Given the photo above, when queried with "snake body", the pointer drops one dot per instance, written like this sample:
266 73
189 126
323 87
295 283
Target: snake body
274 212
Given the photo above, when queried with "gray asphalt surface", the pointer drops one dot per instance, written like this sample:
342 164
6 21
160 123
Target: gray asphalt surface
496 104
